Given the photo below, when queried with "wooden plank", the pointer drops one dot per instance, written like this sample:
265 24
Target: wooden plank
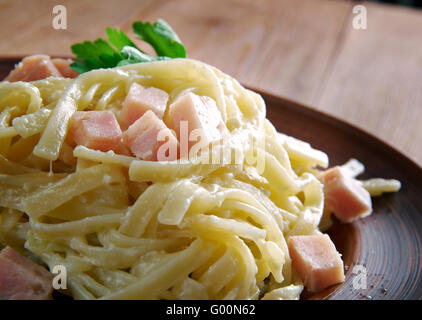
376 79
26 26
280 46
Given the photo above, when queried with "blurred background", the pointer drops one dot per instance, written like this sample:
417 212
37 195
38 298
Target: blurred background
305 50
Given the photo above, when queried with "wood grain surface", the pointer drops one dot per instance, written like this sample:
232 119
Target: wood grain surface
306 50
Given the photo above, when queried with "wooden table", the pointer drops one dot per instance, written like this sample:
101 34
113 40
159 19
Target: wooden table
306 50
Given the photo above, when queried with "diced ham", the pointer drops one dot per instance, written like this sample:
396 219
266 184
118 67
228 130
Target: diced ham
316 261
33 68
141 99
143 135
97 130
345 196
39 67
199 113
63 65
23 279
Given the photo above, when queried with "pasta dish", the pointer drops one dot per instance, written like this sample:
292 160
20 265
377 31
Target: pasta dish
96 175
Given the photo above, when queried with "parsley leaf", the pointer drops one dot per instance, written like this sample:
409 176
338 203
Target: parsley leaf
135 56
161 37
120 50
94 55
119 39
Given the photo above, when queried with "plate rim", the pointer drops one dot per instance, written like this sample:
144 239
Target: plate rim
332 119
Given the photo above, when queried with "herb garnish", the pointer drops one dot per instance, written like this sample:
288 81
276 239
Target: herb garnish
119 50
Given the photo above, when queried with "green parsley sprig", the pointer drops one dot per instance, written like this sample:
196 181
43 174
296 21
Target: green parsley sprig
119 50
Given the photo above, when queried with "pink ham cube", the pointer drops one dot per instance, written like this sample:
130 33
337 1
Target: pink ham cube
141 99
345 196
316 261
142 138
199 113
23 279
97 130
33 68
63 66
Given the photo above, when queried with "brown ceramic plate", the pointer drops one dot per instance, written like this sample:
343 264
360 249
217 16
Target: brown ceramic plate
387 243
